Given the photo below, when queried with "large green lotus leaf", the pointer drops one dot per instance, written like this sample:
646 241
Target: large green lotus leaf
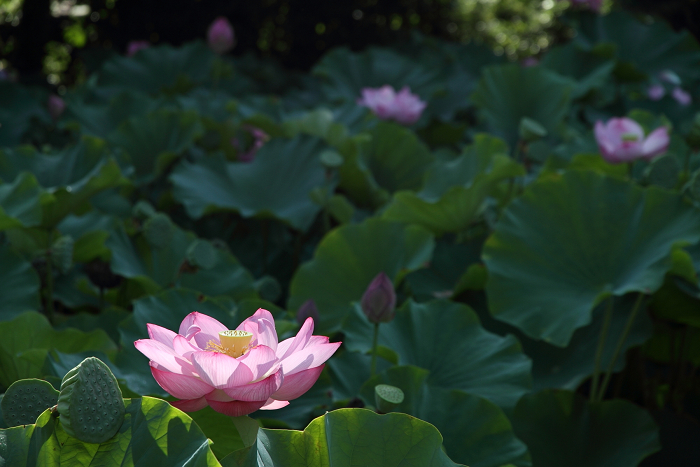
155 140
350 370
349 257
19 284
21 202
162 69
103 118
651 48
562 428
455 190
276 184
228 277
349 437
31 332
437 335
571 240
587 69
567 368
19 106
346 73
677 301
507 93
153 266
480 436
220 429
153 433
71 176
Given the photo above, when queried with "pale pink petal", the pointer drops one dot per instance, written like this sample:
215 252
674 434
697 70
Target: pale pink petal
202 328
272 404
161 334
656 143
260 391
262 326
181 386
291 345
220 402
297 384
164 356
261 360
192 405
624 125
309 357
183 347
220 370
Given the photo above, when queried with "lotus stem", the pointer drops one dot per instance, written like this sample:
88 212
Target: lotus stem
618 347
601 346
374 349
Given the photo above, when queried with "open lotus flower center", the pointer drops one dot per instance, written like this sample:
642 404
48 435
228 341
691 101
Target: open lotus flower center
233 343
629 137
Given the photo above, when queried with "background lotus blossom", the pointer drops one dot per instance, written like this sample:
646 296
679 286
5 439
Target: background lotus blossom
656 92
200 367
220 36
681 96
134 46
622 140
387 104
56 106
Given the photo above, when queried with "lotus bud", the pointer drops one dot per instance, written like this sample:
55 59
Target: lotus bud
134 46
220 36
656 92
379 300
682 97
307 310
56 106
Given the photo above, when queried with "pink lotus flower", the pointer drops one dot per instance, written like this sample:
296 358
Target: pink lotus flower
259 139
387 104
134 46
236 372
56 106
656 92
681 96
622 140
220 36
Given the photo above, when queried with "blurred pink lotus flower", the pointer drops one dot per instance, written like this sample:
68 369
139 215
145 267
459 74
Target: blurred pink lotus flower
530 61
220 36
134 46
681 96
56 106
387 104
236 372
594 5
622 140
656 92
259 139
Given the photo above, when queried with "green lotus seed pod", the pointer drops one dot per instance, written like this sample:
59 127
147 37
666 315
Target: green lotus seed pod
387 397
26 399
158 230
90 403
331 159
62 253
663 171
531 130
201 254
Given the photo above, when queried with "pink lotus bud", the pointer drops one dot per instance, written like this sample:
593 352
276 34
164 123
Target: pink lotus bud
134 46
56 106
622 140
387 104
220 36
656 92
307 310
379 300
682 97
593 5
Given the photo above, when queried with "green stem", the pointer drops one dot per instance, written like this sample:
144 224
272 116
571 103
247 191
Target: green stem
49 280
620 344
601 346
374 349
